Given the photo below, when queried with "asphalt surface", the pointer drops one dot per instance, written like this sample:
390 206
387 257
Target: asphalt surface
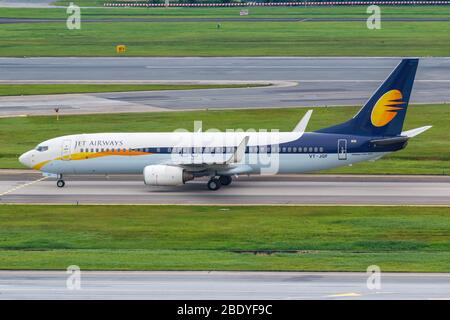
23 187
25 3
313 82
222 285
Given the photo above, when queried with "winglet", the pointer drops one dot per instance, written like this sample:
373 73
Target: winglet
240 151
414 132
301 126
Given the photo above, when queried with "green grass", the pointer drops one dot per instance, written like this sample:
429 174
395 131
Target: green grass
232 39
428 153
208 238
308 12
37 89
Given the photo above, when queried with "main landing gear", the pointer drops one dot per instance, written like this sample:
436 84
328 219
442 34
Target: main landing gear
225 180
60 183
215 183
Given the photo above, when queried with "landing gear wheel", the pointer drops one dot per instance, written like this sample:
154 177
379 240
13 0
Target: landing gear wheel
225 180
214 184
60 183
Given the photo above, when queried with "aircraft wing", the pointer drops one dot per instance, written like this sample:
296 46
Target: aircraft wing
200 162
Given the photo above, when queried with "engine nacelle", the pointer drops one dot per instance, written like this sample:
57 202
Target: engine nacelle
163 175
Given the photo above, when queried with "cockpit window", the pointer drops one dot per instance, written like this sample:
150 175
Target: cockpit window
42 148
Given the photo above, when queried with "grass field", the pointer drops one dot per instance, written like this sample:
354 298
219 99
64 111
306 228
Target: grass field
279 12
37 89
428 153
238 38
212 238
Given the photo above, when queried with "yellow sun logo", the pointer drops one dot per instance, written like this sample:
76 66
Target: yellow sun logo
386 108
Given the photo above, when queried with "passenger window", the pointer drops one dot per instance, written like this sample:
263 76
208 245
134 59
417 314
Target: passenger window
81 150
289 149
294 149
321 149
310 149
283 149
315 149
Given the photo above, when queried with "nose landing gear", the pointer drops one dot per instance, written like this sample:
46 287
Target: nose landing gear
60 183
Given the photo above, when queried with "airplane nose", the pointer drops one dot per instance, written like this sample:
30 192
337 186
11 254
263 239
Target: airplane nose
25 159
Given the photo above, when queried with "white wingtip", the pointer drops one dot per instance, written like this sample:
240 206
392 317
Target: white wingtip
301 126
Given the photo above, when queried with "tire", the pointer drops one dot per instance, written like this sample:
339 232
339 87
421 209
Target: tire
60 183
214 184
225 180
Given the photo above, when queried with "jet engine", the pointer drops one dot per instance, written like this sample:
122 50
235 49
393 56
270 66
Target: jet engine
164 175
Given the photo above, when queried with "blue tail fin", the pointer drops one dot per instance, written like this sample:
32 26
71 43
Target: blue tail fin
384 113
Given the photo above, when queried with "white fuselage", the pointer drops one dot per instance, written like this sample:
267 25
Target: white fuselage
130 153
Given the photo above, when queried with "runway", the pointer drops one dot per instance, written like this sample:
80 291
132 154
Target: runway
23 187
222 285
26 3
320 82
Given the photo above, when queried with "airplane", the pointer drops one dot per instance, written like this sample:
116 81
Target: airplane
173 158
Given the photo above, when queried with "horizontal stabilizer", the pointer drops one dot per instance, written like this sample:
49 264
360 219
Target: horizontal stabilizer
389 141
414 132
301 126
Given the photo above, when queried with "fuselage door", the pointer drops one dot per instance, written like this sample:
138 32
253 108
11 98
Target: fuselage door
66 149
342 149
